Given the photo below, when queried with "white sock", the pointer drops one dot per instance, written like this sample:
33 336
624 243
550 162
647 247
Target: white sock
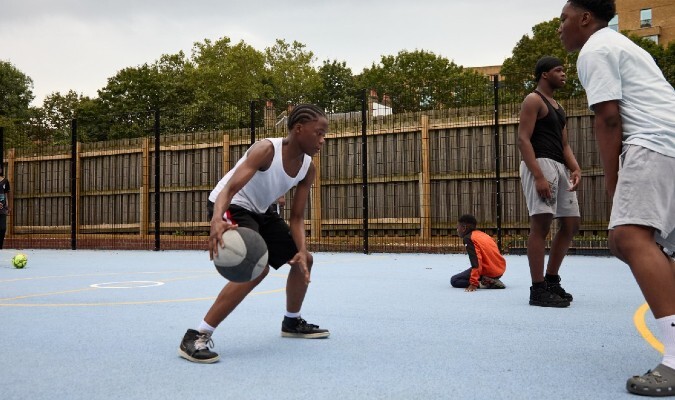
292 314
204 327
667 328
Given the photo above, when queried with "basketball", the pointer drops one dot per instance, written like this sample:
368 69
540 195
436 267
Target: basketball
244 256
19 261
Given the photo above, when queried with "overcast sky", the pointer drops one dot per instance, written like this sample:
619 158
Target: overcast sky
79 44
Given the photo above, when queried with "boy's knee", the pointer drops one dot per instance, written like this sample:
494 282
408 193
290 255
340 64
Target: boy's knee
457 282
621 243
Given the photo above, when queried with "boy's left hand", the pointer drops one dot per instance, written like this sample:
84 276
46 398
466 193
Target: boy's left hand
471 288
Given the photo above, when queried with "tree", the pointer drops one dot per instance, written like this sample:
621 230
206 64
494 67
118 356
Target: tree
16 93
133 95
56 115
421 80
291 77
518 70
225 78
226 74
338 91
664 56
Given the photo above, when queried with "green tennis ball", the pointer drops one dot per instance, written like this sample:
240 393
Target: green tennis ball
19 261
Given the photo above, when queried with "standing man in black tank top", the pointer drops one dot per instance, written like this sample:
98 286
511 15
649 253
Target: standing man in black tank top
550 175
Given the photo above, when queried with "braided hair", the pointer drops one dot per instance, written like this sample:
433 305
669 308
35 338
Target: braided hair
303 113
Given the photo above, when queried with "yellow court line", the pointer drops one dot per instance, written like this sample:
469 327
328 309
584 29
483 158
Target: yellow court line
46 294
121 303
94 274
639 321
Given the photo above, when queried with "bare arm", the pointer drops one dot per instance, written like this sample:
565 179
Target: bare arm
571 162
259 158
297 220
529 113
609 135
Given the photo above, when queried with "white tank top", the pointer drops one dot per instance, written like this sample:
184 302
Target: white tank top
265 187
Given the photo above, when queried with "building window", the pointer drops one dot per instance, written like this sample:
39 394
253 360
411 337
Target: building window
653 38
646 18
614 23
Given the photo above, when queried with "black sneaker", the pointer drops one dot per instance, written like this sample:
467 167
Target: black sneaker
195 347
299 328
542 297
553 284
490 283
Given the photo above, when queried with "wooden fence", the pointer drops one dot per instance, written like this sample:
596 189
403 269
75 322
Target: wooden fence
424 171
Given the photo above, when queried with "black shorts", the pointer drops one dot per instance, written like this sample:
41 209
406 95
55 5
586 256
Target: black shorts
273 229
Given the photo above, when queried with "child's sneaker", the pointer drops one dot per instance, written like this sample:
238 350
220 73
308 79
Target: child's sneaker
490 283
553 283
299 328
542 297
195 347
657 382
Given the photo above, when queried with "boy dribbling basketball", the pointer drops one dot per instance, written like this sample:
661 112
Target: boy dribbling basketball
267 171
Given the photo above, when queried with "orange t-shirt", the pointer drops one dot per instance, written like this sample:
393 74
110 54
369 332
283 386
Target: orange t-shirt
484 256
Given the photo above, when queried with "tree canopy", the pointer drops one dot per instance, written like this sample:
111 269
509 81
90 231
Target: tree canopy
419 80
215 86
518 70
16 93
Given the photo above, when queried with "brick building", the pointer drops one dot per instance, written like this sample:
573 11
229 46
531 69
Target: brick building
653 19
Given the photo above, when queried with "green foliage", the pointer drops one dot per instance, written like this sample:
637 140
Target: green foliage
518 70
225 78
338 92
16 92
291 77
421 80
664 56
226 74
214 87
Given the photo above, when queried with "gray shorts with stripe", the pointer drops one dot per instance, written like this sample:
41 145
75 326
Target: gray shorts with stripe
563 202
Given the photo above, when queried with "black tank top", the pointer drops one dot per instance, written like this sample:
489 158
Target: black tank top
547 136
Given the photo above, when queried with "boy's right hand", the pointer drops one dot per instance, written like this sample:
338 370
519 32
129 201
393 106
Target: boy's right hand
216 235
543 187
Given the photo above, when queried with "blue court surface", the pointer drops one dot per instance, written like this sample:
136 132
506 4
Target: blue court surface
107 325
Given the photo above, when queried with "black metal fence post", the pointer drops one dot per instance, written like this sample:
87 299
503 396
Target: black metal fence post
252 126
157 182
364 167
498 161
73 185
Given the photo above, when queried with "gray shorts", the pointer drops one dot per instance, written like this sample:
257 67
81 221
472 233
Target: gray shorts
563 203
645 193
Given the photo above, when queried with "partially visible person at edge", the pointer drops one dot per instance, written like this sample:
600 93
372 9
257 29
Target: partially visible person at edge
4 206
634 128
269 169
487 263
550 175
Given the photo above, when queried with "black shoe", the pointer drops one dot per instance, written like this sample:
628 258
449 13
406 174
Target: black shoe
553 283
195 347
542 297
299 328
490 283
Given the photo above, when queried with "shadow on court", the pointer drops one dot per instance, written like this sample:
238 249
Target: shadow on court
107 325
